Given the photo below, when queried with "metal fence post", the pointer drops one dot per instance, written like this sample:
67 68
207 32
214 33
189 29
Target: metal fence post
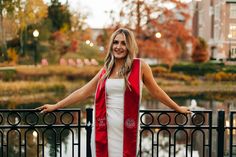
231 134
220 135
89 122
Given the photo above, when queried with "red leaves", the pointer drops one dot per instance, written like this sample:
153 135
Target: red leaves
169 22
200 52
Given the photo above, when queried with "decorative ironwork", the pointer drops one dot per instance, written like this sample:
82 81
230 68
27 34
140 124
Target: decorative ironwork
174 133
27 133
232 133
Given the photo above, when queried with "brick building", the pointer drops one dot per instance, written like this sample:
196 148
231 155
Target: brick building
215 21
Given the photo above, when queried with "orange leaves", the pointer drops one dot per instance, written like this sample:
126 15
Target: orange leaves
169 21
200 52
65 42
170 45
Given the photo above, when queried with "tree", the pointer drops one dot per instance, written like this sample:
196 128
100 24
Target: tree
103 38
59 15
160 27
200 52
17 15
30 13
78 21
33 12
69 31
6 8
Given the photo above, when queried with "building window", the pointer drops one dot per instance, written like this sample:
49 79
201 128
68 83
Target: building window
217 32
217 12
232 11
233 52
232 30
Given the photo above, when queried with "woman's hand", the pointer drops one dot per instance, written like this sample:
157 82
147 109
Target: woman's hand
47 108
183 109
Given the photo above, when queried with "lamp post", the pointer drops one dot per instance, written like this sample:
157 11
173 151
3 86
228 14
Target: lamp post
230 37
35 34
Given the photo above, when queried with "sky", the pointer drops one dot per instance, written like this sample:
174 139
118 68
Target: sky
96 9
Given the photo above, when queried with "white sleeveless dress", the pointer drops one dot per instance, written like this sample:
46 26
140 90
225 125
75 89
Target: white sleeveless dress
115 117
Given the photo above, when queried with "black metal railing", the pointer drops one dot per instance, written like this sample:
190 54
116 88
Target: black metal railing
232 133
175 134
30 133
27 133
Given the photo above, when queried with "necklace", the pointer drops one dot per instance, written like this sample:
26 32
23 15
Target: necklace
117 74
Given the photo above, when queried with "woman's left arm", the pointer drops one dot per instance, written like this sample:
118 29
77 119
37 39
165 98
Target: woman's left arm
156 91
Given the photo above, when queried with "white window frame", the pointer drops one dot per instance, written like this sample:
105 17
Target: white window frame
232 11
232 30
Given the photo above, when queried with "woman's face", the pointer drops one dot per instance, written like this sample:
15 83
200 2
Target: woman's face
119 48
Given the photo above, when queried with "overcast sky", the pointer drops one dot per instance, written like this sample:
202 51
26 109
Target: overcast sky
96 9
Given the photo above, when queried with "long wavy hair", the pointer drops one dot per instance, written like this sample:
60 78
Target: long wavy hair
132 49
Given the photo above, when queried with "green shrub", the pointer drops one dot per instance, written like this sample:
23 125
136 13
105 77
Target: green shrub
7 74
197 68
230 69
200 69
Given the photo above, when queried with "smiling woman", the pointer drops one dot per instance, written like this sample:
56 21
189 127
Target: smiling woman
117 99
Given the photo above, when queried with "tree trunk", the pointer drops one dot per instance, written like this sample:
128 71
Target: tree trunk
3 44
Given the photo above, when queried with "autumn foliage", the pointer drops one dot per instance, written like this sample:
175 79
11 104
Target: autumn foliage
149 18
200 52
69 41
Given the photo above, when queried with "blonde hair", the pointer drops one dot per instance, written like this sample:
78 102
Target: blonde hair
132 49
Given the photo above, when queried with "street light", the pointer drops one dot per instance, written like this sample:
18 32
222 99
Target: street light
35 34
230 37
158 35
91 44
87 42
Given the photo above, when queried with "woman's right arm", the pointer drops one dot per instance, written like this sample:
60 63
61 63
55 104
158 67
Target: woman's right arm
77 96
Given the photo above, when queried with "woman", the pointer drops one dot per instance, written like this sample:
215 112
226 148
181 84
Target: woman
118 93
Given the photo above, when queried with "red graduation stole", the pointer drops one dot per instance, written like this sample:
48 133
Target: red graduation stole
131 112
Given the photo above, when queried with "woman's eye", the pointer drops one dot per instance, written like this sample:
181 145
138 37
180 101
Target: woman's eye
115 42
